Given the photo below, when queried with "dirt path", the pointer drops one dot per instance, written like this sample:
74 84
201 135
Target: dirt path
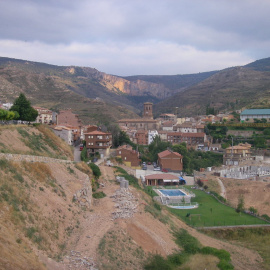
147 232
97 222
223 190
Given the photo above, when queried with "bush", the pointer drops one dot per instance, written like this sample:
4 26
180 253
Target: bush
178 258
157 262
223 255
188 242
99 195
84 155
95 169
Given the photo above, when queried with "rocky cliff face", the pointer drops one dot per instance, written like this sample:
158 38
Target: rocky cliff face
133 88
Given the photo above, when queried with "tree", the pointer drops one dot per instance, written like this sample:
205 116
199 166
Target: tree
23 107
8 115
253 210
260 142
241 204
157 146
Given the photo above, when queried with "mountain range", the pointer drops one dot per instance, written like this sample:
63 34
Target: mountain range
99 97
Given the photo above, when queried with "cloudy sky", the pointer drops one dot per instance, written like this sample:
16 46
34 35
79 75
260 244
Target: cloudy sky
132 37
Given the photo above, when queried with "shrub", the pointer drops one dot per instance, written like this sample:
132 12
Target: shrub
84 155
157 262
131 178
99 195
223 255
178 258
188 242
95 169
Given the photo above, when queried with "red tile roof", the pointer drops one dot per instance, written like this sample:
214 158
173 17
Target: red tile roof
96 132
189 134
167 152
163 176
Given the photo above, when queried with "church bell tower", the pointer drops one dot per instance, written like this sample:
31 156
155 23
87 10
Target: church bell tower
148 110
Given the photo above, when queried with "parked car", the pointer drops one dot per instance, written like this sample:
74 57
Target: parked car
156 168
144 167
164 170
81 147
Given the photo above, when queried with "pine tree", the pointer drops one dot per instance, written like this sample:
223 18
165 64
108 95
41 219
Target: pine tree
23 107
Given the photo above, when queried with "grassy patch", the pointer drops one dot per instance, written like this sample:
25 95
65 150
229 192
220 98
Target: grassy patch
99 195
149 190
212 213
131 178
155 210
191 249
257 239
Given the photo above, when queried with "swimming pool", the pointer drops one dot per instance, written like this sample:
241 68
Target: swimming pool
172 192
192 206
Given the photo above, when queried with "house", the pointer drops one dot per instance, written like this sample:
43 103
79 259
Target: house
44 115
168 125
191 139
141 137
251 114
215 147
87 129
129 156
98 141
66 117
65 133
163 135
168 117
170 160
186 127
236 155
161 179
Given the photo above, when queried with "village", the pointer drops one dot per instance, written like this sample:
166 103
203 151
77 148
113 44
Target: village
240 161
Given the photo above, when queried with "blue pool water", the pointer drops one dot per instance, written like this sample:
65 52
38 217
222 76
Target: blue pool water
184 206
172 192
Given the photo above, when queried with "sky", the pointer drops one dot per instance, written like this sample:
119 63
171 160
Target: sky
137 37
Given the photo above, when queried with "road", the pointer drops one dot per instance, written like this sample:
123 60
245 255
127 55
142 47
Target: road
77 154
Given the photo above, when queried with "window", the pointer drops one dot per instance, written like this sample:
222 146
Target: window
119 152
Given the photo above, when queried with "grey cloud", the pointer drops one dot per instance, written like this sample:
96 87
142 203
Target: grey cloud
208 26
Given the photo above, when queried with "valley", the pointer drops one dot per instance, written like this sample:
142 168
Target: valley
49 230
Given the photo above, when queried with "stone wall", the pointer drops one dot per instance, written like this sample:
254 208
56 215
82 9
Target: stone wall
242 133
29 158
84 196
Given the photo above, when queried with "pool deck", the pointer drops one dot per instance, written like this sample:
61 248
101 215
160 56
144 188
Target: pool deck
164 195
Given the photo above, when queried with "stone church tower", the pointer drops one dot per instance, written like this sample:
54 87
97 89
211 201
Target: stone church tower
148 110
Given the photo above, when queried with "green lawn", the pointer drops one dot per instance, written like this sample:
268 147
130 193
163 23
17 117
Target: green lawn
212 213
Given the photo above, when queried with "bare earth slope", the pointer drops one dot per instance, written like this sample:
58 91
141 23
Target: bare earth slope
43 227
